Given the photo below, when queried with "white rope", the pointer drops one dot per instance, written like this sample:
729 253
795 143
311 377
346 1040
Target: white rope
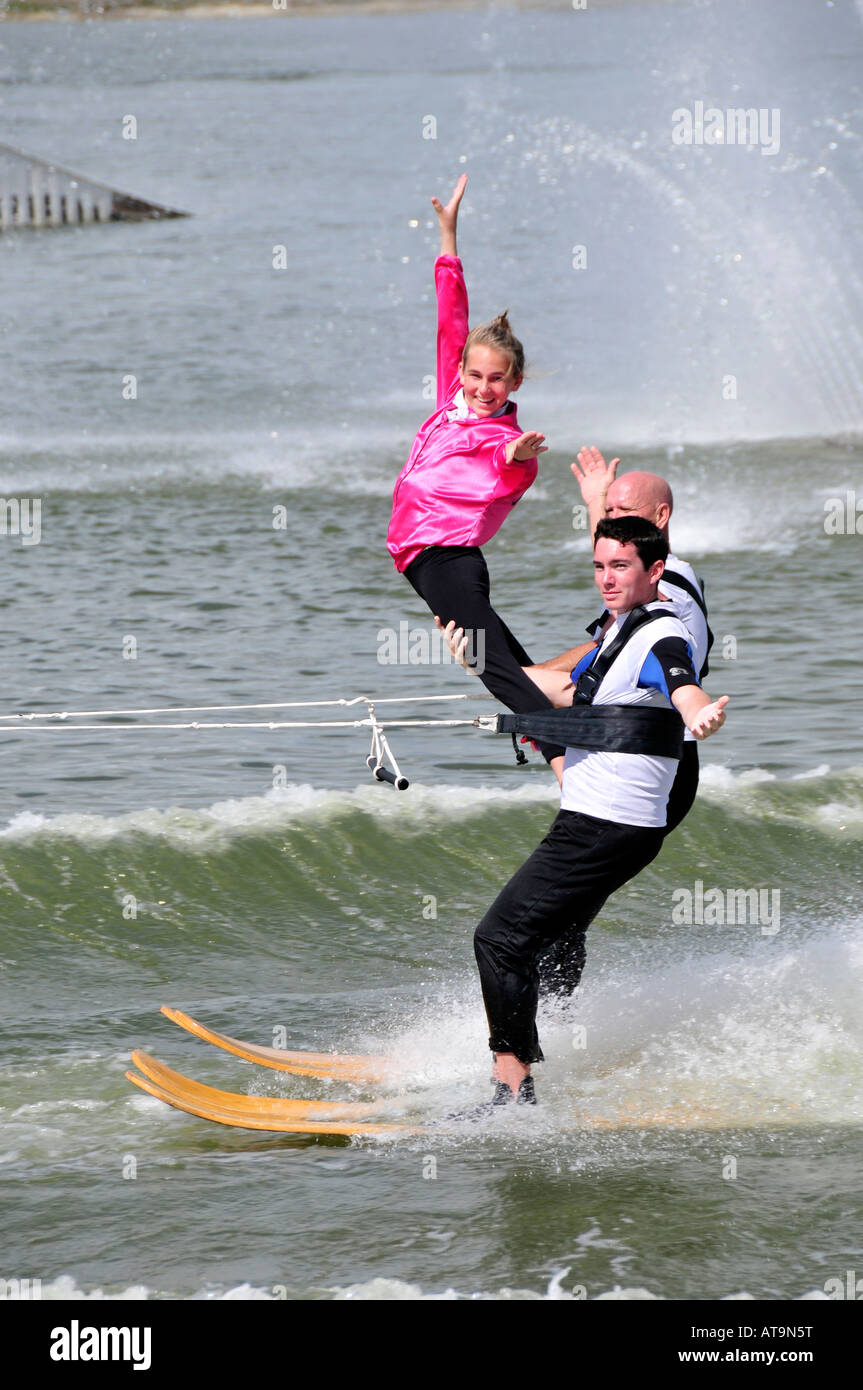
32 715
479 722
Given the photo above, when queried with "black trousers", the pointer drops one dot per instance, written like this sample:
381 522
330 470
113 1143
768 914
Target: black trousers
453 580
563 884
561 967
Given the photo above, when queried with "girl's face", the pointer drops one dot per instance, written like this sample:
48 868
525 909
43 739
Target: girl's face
487 379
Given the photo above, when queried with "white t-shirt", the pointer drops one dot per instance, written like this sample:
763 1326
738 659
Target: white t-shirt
630 788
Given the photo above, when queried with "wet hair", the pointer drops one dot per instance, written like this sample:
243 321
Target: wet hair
648 540
497 335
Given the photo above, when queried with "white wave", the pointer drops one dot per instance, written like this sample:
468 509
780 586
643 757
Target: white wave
767 1034
65 1288
747 794
202 828
399 1290
205 827
363 463
723 781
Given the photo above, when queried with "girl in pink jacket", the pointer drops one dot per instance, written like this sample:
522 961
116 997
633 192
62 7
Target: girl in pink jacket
469 465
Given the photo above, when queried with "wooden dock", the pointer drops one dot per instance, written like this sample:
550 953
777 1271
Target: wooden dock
34 193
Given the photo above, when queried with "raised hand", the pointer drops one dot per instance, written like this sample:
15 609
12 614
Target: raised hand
594 476
447 217
527 446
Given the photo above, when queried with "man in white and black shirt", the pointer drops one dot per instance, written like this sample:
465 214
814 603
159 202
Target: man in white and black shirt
613 804
648 496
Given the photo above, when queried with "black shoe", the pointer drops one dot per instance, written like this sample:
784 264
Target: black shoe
502 1096
526 1094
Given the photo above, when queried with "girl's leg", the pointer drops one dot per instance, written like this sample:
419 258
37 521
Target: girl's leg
454 582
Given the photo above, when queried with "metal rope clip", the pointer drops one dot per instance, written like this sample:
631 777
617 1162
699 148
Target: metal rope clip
380 749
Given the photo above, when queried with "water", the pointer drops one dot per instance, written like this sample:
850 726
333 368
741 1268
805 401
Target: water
275 886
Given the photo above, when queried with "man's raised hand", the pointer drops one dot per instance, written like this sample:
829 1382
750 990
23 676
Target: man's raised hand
595 476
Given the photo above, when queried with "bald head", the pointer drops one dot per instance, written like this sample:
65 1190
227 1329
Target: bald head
641 494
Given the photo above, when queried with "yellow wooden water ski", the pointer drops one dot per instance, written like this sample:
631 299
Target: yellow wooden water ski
332 1065
171 1080
283 1116
295 1116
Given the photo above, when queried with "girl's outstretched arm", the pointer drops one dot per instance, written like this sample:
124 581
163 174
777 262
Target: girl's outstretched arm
448 218
451 293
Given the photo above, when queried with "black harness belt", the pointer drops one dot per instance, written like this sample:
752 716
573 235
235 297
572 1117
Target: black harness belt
603 728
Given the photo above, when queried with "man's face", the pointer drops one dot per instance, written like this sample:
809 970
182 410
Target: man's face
626 497
620 576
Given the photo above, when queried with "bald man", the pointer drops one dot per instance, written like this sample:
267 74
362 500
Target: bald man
649 496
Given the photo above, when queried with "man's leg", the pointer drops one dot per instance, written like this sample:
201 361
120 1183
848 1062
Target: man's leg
562 965
454 582
566 880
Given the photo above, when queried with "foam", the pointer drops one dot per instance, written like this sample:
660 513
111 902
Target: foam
205 827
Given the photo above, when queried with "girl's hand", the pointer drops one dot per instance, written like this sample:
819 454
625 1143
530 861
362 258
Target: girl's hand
527 446
448 218
595 475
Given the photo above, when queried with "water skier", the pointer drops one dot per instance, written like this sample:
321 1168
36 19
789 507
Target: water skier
648 496
469 465
612 817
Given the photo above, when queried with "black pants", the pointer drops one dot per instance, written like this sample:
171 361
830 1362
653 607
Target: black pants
453 580
561 967
562 885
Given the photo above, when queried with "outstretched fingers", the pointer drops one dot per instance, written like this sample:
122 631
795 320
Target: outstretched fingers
457 641
710 718
528 446
593 475
450 210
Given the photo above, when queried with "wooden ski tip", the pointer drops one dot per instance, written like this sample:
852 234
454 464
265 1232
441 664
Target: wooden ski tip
247 1112
325 1065
290 1108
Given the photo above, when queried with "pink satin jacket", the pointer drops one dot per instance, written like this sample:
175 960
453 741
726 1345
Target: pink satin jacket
456 487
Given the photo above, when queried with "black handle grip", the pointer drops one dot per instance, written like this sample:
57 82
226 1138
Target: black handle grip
383 774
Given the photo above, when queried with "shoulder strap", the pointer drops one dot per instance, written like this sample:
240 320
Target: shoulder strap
598 624
591 679
681 582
